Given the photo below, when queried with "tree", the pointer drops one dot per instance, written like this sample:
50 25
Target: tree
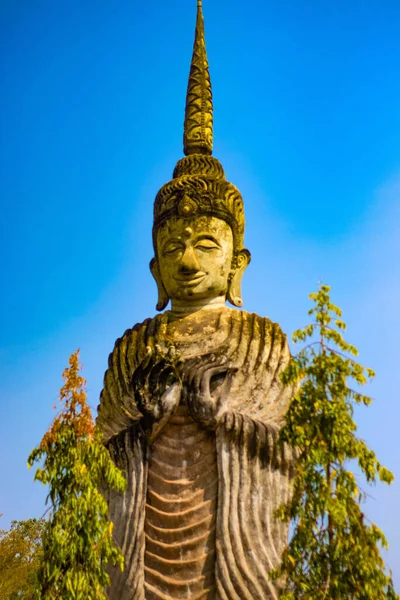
334 551
20 553
77 540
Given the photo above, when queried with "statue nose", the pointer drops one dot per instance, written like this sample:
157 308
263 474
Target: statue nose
189 262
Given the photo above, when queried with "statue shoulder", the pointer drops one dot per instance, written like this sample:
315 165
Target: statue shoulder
130 338
262 354
264 327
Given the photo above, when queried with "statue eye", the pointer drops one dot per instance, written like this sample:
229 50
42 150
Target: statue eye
206 244
172 248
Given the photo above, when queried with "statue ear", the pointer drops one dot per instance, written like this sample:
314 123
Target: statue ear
241 261
163 297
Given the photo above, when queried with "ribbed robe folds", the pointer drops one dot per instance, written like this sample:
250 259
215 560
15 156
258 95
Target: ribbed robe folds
254 476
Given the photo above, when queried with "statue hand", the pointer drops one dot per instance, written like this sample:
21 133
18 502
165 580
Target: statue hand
156 388
207 381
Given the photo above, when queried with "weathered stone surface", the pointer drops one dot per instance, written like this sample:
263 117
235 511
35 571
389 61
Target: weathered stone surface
181 510
193 400
214 432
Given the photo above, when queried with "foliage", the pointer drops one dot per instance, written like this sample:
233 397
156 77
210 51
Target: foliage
20 553
77 541
334 552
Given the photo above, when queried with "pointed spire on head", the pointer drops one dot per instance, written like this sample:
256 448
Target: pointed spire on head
199 186
198 128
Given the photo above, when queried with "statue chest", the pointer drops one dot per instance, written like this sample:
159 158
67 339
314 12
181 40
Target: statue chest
181 507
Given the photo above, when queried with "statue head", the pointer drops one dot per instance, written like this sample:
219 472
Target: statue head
198 230
196 262
198 236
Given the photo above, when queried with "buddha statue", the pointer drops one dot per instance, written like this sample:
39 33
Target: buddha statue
193 401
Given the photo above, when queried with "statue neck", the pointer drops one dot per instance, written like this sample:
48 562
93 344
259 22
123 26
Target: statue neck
179 309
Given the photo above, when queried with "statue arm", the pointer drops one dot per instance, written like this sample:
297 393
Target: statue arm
139 386
256 411
258 391
118 410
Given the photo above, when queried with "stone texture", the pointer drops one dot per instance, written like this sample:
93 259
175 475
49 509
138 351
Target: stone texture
218 468
193 400
181 510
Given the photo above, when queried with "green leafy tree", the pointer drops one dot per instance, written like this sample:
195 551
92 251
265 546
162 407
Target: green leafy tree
77 541
334 551
20 554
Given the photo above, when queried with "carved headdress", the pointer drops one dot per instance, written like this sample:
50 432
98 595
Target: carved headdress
199 186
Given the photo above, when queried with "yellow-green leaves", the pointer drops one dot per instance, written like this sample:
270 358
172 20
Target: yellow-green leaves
20 555
334 552
77 540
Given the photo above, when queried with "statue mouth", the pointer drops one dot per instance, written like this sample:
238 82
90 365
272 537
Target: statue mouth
191 280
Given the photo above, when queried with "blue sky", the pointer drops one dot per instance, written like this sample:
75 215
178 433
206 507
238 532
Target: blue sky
307 125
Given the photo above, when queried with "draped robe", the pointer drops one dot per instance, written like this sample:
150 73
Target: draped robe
254 472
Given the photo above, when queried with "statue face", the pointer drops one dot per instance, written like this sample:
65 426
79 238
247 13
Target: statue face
195 258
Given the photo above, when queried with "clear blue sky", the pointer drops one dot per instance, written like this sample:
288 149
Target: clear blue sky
307 125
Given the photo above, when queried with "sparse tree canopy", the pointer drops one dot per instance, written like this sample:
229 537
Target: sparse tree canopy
77 541
334 552
20 553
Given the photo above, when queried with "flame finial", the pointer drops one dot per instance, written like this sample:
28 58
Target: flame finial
198 128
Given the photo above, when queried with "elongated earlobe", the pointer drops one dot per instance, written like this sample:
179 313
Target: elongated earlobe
163 297
241 261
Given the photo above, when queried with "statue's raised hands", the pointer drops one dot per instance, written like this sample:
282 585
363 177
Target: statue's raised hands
207 381
156 388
